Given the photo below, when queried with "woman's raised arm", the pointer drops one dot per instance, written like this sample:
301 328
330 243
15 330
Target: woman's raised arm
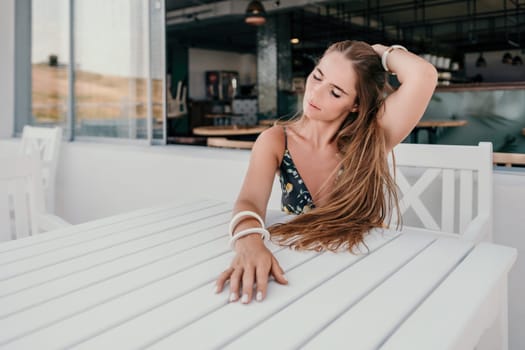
405 107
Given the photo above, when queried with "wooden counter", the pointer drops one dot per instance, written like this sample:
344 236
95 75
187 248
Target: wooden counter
228 130
440 123
518 85
431 127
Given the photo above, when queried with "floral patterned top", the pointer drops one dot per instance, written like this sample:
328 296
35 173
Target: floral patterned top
296 199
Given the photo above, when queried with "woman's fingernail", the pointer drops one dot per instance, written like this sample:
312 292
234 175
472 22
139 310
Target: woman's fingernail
258 297
244 299
216 289
233 296
284 278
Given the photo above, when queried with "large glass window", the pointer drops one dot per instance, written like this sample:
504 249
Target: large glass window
157 50
116 84
49 62
111 68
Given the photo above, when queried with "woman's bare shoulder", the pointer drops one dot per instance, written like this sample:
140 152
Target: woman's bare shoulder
272 138
270 143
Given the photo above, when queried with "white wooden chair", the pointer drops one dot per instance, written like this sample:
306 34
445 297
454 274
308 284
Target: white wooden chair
22 206
455 182
177 106
46 143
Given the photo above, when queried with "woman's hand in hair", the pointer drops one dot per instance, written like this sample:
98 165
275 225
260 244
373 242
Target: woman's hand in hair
379 49
253 264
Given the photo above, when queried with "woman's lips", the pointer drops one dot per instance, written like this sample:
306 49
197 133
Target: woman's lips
313 106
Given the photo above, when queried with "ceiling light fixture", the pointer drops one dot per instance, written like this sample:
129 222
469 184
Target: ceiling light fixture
480 62
294 41
507 58
255 13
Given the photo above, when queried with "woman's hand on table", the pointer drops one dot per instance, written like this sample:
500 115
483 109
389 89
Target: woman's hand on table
253 264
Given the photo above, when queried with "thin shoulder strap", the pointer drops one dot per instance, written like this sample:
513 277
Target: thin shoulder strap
285 139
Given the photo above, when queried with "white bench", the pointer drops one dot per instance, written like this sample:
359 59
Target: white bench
453 183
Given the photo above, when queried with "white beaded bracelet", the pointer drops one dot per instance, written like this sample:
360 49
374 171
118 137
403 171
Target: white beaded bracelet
265 234
384 56
240 216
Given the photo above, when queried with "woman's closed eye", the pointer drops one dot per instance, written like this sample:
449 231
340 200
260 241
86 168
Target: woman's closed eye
334 94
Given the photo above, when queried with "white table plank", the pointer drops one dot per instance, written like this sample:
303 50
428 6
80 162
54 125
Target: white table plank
304 279
63 233
126 258
109 240
127 250
137 332
459 310
71 236
145 279
191 307
154 298
331 299
394 300
68 305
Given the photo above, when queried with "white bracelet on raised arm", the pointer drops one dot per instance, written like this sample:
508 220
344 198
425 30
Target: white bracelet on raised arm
384 56
265 234
240 216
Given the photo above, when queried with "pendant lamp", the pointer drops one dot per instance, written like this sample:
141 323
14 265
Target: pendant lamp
480 62
255 13
507 58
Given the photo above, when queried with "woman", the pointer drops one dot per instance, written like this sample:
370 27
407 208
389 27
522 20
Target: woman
338 178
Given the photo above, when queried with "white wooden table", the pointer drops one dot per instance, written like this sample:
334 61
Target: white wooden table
145 280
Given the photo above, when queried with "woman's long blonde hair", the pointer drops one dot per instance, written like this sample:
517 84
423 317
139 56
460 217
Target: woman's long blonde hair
364 194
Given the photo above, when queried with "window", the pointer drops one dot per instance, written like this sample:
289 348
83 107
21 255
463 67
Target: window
117 79
49 62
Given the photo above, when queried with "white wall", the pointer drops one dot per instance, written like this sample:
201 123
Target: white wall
9 147
202 60
132 177
7 67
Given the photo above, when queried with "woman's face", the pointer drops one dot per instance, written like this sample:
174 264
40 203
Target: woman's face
330 89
